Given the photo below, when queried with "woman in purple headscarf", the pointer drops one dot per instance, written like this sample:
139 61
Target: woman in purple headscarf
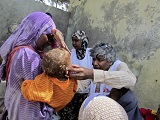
22 60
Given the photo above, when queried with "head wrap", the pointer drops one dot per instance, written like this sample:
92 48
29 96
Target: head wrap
26 34
102 108
105 50
81 35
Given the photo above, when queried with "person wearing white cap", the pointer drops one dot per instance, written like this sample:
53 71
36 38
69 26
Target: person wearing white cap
97 107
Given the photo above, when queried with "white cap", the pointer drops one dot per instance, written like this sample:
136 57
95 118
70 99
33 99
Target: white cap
102 108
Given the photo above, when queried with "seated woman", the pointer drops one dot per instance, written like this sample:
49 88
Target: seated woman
52 86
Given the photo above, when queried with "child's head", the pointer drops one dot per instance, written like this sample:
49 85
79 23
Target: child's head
55 61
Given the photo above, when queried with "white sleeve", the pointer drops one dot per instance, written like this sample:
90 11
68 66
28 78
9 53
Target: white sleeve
123 77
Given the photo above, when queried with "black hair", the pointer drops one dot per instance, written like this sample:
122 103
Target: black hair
49 14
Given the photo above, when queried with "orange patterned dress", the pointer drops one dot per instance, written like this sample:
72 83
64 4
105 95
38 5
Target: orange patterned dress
50 90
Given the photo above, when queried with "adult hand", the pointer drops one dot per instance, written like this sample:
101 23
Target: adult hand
60 39
79 73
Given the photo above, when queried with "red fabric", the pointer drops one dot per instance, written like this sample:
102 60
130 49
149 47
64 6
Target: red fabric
9 60
147 114
54 44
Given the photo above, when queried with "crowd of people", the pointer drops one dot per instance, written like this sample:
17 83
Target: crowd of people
84 83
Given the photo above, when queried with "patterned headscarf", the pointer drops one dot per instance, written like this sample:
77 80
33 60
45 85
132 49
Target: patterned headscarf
81 35
102 108
26 34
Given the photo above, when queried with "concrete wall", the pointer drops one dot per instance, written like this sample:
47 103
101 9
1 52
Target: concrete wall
132 27
13 11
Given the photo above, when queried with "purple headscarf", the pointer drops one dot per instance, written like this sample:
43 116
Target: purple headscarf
26 34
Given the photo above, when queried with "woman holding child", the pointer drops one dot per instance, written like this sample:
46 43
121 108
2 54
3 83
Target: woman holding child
21 54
